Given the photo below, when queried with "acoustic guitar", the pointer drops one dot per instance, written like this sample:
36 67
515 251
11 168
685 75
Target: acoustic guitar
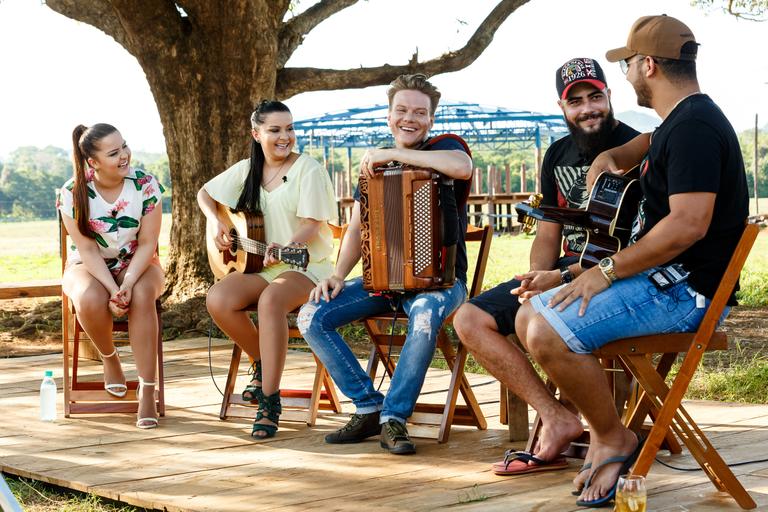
246 255
607 219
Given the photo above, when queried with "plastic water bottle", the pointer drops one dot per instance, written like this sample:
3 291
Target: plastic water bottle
48 398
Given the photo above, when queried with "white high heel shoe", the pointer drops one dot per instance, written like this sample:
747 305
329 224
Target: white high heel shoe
116 390
148 422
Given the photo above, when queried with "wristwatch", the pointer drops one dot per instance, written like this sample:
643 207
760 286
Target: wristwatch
606 267
566 276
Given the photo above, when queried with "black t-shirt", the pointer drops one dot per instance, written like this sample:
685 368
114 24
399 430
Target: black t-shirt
696 150
564 180
460 190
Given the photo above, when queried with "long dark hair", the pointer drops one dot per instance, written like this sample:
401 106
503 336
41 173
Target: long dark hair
84 142
250 196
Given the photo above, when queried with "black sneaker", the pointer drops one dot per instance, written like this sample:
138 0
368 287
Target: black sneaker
394 437
358 428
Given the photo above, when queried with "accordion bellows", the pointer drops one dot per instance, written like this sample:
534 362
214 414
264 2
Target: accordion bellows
401 222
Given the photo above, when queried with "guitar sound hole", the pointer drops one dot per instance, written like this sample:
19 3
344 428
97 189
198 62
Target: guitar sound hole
233 236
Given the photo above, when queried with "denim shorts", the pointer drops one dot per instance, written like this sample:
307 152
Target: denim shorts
630 307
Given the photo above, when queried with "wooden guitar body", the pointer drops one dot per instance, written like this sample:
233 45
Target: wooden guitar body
246 254
249 225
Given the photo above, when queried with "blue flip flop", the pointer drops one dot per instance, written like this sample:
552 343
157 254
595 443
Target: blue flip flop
626 463
587 466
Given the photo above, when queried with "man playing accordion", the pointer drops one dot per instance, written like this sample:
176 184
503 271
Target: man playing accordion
335 302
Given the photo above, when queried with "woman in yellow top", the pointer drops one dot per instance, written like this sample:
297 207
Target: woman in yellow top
295 196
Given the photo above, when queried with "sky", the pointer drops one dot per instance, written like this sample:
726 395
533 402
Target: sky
56 73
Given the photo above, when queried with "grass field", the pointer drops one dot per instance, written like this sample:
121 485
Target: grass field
30 250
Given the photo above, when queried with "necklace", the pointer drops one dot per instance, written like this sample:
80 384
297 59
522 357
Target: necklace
279 171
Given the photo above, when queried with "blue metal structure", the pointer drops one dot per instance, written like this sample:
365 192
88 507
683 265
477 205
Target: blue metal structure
484 128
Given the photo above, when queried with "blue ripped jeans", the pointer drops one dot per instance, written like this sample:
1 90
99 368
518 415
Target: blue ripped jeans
426 312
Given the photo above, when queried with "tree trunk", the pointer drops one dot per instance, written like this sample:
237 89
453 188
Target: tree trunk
205 93
208 64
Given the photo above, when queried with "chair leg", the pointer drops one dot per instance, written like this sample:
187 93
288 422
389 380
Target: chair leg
687 429
503 411
330 389
644 407
229 387
459 383
517 415
317 391
380 350
65 339
160 372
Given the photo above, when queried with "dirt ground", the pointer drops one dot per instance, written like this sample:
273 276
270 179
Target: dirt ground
33 326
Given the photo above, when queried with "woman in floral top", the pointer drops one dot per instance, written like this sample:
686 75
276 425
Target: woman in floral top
113 213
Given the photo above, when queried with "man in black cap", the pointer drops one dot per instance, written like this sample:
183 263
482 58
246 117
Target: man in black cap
690 220
484 323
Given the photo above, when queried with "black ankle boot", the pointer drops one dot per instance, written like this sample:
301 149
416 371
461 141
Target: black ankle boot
394 437
358 428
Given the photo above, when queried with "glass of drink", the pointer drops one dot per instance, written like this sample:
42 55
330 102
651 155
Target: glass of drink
630 494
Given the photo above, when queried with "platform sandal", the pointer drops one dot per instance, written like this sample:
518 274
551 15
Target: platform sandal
116 390
149 421
252 392
269 408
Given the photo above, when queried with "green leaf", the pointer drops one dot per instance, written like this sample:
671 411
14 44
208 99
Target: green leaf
100 240
146 203
91 193
127 222
113 223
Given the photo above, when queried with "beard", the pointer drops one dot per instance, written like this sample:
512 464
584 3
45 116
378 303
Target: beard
643 93
591 144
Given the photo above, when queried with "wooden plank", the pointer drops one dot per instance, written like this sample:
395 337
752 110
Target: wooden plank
26 289
194 461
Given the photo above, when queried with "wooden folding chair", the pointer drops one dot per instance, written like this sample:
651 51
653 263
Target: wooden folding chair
82 397
431 415
662 402
298 404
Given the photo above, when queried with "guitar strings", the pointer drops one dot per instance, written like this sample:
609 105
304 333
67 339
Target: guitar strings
250 245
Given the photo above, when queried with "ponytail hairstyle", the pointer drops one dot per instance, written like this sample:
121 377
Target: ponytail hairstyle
250 197
84 142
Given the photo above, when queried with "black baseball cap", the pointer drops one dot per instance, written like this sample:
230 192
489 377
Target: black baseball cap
576 71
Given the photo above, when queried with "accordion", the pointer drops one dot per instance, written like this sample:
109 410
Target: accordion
402 232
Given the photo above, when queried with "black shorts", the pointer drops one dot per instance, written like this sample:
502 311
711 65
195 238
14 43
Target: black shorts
502 305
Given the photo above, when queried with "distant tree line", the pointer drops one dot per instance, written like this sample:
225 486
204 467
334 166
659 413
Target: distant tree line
30 176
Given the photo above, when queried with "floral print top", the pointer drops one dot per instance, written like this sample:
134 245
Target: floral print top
115 226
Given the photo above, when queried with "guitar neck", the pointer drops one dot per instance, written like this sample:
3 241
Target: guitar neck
254 246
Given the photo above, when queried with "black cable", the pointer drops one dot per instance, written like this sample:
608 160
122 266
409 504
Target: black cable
210 358
486 383
699 469
391 341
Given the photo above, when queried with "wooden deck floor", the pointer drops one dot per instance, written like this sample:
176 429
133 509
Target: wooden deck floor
196 462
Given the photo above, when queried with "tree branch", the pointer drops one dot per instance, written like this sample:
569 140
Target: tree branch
293 31
292 81
135 25
98 13
150 23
